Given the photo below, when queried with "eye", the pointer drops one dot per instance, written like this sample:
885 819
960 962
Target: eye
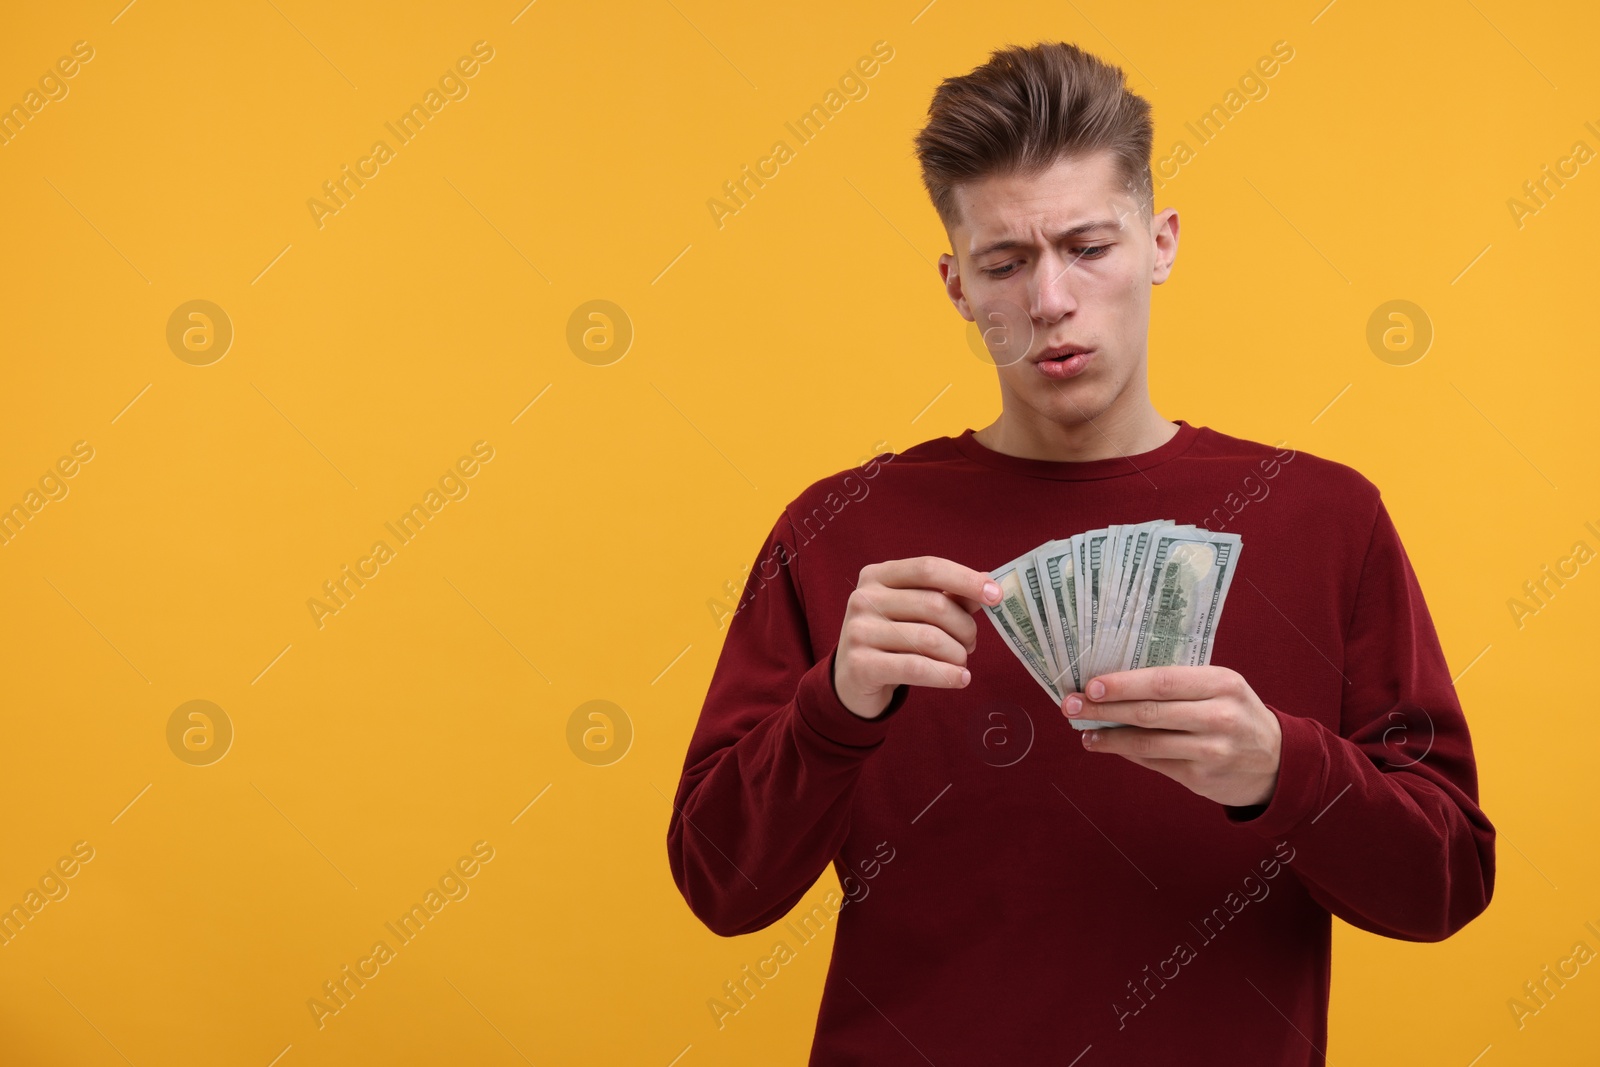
1010 268
1083 253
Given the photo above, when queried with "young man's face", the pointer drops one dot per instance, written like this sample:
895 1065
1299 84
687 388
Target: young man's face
1075 269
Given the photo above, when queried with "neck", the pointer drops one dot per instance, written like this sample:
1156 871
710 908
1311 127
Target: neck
1113 433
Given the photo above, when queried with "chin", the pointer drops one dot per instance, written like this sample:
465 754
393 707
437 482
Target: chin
1074 402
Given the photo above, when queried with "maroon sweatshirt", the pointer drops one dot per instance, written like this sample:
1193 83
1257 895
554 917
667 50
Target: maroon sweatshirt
1012 898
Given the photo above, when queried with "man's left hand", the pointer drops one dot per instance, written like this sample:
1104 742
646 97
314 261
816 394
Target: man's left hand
1203 727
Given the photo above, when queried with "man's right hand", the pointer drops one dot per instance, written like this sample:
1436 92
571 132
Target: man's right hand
908 621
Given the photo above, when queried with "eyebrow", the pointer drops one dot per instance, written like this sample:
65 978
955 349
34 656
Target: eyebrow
1065 235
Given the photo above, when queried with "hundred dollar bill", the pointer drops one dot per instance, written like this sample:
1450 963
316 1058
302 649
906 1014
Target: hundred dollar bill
1015 623
1059 577
1127 596
1183 591
1038 614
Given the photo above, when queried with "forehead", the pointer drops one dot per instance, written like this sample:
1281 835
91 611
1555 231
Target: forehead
1070 192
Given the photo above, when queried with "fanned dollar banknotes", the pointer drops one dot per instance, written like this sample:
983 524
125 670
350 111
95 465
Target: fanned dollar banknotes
1144 594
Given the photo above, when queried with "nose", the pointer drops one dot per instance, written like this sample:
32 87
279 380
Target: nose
1050 289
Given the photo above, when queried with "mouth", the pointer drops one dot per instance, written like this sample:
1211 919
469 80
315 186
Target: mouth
1063 361
1061 353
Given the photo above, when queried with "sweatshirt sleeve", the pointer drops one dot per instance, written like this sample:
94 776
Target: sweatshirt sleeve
1384 814
763 806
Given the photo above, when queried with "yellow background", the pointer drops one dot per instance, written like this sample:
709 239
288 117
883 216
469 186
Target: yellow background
431 311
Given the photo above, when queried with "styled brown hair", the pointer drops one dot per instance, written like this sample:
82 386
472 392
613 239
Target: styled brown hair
1024 110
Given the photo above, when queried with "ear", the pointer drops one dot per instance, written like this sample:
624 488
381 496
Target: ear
950 275
1164 234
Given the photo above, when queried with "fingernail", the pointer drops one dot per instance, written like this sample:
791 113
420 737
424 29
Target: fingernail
966 676
1096 689
1091 737
990 591
1074 704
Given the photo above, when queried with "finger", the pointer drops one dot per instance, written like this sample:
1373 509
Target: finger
1188 715
970 588
1136 742
892 635
1162 683
908 668
921 605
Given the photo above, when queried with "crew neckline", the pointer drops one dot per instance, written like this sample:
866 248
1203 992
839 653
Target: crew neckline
1077 470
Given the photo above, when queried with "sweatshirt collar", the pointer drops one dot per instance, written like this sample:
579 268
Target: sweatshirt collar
1062 470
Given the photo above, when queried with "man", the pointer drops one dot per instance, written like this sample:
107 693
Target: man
1020 892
